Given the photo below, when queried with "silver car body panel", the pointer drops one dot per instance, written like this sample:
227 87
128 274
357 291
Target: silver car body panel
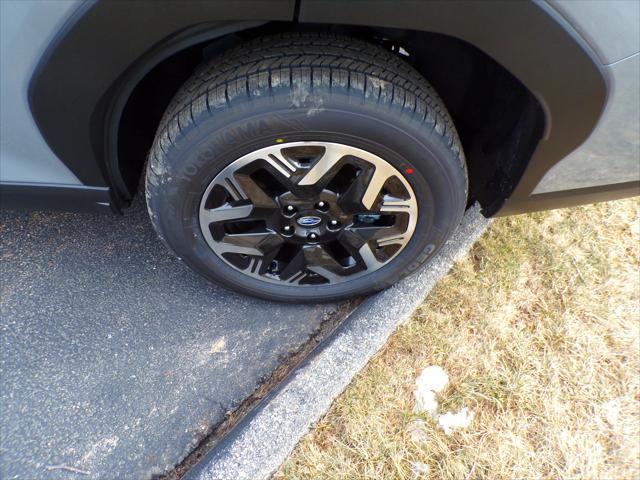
26 29
611 155
610 27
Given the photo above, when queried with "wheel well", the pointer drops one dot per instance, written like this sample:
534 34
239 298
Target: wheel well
500 122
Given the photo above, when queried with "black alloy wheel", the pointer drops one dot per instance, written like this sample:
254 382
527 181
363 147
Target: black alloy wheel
307 213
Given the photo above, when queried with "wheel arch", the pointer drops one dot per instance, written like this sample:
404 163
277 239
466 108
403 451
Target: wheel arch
565 88
84 78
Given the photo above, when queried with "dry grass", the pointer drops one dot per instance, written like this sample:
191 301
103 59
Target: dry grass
539 331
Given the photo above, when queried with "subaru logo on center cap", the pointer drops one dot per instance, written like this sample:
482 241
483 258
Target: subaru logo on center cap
309 221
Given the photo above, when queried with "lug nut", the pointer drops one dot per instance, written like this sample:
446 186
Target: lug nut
334 224
322 206
287 229
289 210
312 237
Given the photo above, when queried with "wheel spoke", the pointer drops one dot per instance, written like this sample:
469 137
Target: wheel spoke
243 188
358 242
356 236
392 239
254 192
297 278
249 243
392 204
331 156
281 163
294 268
270 251
229 183
225 213
322 263
381 174
365 190
368 257
351 200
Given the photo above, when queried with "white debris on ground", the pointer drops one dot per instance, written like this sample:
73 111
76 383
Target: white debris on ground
426 402
417 431
419 469
432 380
611 411
451 421
635 226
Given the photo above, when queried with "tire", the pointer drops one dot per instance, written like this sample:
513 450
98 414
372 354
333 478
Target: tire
305 98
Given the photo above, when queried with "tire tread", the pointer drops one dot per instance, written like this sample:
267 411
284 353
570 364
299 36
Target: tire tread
284 60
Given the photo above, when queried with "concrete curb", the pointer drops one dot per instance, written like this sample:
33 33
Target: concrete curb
263 440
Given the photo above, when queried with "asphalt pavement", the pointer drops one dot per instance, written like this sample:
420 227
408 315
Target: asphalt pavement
116 360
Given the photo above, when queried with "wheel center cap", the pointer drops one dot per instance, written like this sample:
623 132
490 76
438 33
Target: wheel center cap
308 221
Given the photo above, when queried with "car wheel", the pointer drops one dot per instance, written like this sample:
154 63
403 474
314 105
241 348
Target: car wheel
306 168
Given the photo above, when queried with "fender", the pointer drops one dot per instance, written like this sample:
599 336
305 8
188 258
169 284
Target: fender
92 65
88 80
